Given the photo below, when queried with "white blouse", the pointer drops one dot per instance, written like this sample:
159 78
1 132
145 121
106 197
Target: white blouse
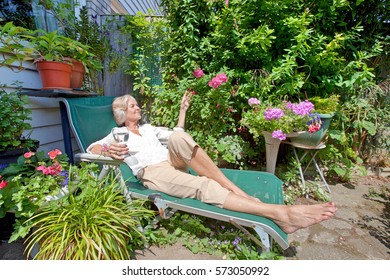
144 150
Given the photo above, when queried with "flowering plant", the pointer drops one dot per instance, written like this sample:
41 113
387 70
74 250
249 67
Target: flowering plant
282 119
30 183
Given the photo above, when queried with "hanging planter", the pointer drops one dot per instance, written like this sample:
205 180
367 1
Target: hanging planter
55 75
314 139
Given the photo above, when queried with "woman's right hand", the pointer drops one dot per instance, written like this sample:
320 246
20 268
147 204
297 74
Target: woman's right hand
118 151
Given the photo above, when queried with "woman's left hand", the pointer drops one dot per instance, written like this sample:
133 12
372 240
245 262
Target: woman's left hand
185 101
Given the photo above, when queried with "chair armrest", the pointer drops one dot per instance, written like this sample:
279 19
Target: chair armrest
97 158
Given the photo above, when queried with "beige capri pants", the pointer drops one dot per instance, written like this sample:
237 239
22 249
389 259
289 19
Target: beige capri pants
172 177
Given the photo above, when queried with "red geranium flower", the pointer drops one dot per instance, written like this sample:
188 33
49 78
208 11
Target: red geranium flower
29 154
54 153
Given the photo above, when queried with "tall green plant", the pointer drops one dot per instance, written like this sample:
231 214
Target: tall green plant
14 117
93 223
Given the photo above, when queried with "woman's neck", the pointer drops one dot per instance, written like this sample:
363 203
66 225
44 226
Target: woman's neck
132 126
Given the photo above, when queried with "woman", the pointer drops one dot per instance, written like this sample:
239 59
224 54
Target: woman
165 169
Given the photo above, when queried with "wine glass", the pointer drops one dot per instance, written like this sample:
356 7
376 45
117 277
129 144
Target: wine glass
121 134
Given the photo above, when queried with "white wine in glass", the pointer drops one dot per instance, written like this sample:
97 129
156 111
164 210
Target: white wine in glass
121 134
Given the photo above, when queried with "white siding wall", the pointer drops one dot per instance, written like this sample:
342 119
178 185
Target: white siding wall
46 120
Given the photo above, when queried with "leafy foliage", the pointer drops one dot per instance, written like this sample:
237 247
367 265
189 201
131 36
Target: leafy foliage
30 182
14 117
277 50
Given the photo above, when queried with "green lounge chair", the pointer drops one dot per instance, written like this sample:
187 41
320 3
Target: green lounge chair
90 119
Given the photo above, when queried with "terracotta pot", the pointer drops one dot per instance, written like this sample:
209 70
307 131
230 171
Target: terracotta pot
54 75
78 72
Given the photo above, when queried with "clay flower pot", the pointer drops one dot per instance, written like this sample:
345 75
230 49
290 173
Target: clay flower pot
78 72
55 75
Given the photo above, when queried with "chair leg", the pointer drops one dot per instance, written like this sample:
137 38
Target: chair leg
265 243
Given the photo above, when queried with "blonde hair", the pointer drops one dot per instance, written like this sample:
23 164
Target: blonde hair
119 108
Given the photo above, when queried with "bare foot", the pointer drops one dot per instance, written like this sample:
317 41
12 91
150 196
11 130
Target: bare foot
302 216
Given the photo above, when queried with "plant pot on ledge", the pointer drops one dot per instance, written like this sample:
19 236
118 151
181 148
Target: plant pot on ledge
77 76
55 75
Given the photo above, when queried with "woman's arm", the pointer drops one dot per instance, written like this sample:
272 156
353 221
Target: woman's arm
184 105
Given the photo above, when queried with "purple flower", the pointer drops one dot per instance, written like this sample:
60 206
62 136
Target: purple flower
290 105
273 114
303 108
278 134
65 174
253 101
236 241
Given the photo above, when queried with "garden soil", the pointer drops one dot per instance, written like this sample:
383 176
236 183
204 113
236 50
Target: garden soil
360 229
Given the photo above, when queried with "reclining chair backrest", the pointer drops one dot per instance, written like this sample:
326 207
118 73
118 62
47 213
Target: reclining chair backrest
91 118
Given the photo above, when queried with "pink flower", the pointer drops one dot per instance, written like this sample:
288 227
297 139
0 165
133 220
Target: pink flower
226 2
43 169
55 169
314 127
198 73
3 183
218 80
29 154
50 170
273 114
193 92
278 134
253 101
54 153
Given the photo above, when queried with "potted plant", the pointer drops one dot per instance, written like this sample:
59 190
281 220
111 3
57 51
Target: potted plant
283 120
93 223
82 60
279 122
48 50
30 183
325 108
14 119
